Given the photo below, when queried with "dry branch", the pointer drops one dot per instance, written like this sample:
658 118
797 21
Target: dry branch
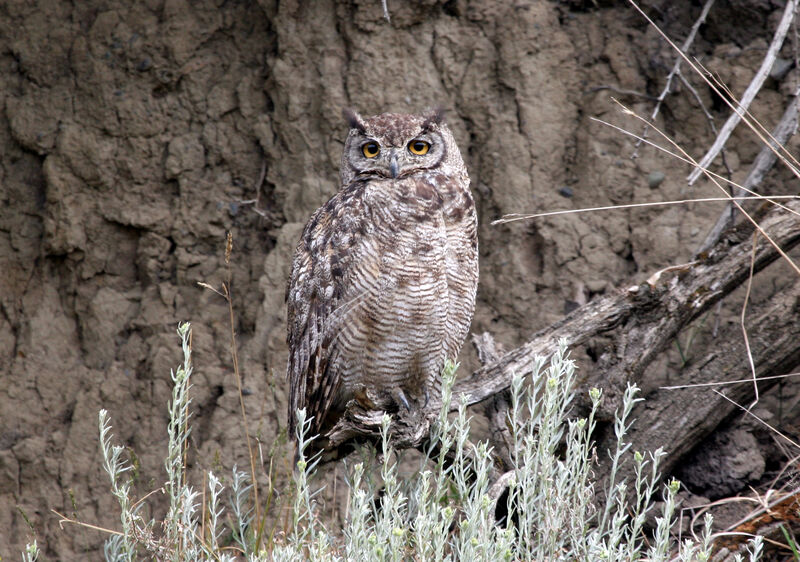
750 93
497 407
644 319
678 420
761 165
676 68
637 324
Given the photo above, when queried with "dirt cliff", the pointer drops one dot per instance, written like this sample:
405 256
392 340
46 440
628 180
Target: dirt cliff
133 136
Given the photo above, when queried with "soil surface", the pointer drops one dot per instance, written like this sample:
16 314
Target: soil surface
134 137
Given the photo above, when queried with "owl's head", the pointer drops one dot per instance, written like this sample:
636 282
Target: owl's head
395 145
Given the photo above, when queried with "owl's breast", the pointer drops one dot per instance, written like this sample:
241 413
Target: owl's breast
404 327
418 314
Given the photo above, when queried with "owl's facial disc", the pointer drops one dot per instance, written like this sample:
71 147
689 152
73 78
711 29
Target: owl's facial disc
394 146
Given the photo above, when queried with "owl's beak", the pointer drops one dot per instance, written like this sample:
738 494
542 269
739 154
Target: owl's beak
393 166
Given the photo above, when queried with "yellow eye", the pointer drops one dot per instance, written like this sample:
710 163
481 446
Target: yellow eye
371 149
418 147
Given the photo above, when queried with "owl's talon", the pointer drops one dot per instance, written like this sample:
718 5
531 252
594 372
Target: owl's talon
400 398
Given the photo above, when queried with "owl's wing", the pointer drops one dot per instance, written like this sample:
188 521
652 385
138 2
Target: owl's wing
335 270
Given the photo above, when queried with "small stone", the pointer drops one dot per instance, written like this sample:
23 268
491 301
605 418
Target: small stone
780 68
165 76
565 192
144 65
654 179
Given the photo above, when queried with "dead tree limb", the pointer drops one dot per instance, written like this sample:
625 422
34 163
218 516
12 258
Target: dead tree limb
644 319
640 322
679 419
750 93
496 408
676 68
761 165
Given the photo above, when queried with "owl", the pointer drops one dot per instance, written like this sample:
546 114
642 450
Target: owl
383 281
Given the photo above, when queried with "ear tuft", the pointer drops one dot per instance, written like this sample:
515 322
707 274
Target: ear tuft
433 116
354 119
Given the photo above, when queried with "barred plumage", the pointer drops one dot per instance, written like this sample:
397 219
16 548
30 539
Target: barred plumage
383 281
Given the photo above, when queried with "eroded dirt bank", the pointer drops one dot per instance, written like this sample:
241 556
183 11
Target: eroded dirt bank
133 138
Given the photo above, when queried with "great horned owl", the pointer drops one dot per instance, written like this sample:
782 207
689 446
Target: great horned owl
383 281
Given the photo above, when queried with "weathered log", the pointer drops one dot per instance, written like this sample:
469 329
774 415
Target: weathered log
496 408
642 320
679 419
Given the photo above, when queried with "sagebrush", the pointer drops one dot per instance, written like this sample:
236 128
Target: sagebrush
444 513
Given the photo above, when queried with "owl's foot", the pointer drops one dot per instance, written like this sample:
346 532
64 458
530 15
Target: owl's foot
362 397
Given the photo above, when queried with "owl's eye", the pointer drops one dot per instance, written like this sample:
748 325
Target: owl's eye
371 149
418 147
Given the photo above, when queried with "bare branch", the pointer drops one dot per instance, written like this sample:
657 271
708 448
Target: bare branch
676 68
680 419
715 86
751 91
496 407
761 165
652 315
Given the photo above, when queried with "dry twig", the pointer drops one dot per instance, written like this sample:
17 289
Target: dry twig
676 69
750 93
761 165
